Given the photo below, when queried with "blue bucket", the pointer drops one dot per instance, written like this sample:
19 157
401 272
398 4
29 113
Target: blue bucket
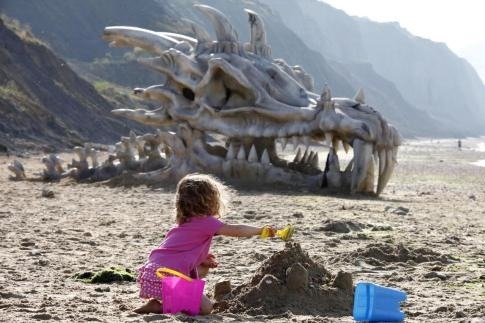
373 302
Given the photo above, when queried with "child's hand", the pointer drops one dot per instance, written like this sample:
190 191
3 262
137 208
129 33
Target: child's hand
210 261
268 232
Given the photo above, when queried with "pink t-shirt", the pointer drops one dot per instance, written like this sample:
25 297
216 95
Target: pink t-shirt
187 245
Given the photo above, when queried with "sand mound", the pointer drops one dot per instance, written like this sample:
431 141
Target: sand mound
291 281
379 253
341 226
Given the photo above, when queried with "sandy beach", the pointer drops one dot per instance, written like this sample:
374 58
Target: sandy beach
424 235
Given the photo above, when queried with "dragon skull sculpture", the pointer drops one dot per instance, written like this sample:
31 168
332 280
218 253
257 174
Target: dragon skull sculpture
220 88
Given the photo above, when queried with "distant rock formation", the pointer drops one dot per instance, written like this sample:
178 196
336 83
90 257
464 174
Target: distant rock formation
430 78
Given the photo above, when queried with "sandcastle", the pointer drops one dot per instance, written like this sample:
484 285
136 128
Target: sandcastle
291 281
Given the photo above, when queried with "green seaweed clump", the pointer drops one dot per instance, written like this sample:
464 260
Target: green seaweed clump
106 276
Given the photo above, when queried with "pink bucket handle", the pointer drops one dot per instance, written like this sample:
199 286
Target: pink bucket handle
160 273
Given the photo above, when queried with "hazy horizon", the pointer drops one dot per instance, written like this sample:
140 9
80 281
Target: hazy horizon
463 34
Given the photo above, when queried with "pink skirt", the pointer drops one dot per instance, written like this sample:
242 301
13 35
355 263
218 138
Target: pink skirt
150 284
148 281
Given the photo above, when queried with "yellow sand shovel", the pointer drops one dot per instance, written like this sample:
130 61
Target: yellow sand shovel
285 234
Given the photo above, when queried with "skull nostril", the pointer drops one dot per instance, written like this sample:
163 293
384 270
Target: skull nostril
188 94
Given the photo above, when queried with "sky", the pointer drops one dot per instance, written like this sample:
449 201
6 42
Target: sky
458 23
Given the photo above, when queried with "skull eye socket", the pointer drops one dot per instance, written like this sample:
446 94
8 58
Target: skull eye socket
188 94
272 73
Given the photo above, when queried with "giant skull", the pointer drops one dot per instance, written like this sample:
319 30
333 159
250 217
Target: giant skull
249 101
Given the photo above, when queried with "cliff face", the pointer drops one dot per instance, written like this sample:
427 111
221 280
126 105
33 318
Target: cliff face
428 74
43 101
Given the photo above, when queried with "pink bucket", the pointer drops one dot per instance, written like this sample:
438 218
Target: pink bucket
180 293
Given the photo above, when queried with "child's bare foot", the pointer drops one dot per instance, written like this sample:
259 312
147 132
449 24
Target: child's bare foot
152 306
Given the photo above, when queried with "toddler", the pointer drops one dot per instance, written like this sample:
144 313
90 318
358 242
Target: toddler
198 204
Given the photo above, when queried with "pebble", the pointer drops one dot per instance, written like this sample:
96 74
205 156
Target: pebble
102 289
43 316
298 215
459 314
381 228
47 193
27 244
338 227
400 210
43 262
441 309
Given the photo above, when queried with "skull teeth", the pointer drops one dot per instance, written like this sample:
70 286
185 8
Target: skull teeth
241 155
253 156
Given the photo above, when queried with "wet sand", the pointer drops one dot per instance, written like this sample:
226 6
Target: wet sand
424 235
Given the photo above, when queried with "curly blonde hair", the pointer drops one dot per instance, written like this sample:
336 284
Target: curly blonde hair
199 195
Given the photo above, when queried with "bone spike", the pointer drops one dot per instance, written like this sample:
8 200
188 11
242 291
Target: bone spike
295 142
382 161
394 154
362 164
199 32
332 173
360 96
346 146
253 156
172 62
310 157
369 181
326 94
297 158
181 38
224 30
94 157
386 174
304 159
258 34
241 155
18 169
257 43
349 166
315 160
157 93
158 117
151 41
284 141
265 158
230 152
328 139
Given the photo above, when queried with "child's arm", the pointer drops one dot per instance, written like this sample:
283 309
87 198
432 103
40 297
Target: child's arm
241 230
